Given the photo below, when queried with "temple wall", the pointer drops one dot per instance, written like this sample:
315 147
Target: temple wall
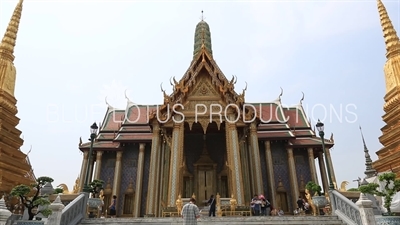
146 171
129 169
281 168
302 166
263 161
108 167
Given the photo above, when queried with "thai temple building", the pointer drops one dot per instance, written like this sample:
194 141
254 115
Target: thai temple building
389 154
204 139
15 167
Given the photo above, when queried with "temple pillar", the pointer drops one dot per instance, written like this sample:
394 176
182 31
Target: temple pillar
245 166
82 176
322 169
176 163
270 172
329 158
234 162
255 158
139 181
167 158
97 171
161 178
251 172
117 177
311 162
293 177
153 185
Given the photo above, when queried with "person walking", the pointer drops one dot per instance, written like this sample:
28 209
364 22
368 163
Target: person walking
212 203
190 213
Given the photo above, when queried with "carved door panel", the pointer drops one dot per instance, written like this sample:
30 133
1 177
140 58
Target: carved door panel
206 184
282 201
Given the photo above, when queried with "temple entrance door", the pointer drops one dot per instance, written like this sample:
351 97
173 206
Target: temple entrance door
206 182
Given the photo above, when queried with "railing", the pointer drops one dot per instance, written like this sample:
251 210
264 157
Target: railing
345 209
75 211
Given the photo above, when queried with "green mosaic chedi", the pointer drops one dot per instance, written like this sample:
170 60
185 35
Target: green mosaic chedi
202 35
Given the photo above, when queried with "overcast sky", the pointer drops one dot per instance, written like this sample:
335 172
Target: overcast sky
70 55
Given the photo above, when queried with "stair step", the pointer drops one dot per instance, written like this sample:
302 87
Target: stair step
254 220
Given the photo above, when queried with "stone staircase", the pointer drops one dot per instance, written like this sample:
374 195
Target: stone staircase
270 220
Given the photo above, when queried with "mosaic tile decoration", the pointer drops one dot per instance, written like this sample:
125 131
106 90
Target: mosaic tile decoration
128 171
281 168
108 167
146 171
302 165
263 161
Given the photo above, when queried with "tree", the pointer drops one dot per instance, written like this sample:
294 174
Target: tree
96 186
391 187
30 197
315 189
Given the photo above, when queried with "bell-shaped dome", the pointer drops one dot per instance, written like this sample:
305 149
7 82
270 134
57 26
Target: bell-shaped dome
202 36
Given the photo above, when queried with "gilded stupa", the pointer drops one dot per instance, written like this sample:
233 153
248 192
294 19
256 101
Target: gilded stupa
389 154
14 164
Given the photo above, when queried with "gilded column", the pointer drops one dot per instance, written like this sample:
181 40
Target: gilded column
311 161
293 177
252 176
162 176
176 164
117 175
82 176
245 166
270 172
235 165
329 158
97 171
139 181
152 185
255 158
322 169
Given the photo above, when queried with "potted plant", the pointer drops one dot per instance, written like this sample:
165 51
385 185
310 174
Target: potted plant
31 198
315 191
391 186
95 203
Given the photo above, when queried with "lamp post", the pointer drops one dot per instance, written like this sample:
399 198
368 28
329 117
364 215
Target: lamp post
93 133
320 128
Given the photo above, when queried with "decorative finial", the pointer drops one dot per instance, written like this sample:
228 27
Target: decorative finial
389 33
280 95
302 98
202 15
8 43
108 105
126 96
369 171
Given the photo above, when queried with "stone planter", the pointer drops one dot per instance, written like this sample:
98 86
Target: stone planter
387 220
30 222
95 203
319 201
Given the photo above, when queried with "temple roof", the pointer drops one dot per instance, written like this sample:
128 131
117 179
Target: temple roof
202 36
134 124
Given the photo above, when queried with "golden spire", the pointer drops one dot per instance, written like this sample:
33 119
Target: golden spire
8 43
389 33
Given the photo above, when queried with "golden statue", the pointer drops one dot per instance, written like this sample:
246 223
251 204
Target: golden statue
179 204
343 186
218 204
311 203
193 196
233 204
75 189
101 195
64 187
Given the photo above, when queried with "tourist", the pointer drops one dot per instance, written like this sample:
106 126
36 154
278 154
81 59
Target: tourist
263 205
211 202
190 213
255 205
113 209
300 204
